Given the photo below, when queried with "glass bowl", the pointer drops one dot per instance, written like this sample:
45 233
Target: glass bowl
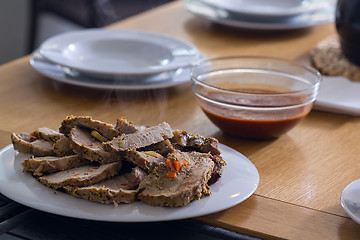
254 97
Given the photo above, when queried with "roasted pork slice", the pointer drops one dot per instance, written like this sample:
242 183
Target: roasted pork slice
22 142
124 126
136 176
40 165
199 143
219 163
105 129
195 142
81 176
27 143
147 160
84 145
164 147
119 189
62 147
48 134
140 138
164 187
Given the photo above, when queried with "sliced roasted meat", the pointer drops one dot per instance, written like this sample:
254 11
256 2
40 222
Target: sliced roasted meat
164 147
86 146
22 142
140 139
40 165
190 182
219 163
202 144
147 160
26 143
81 176
105 129
136 176
122 163
195 142
124 126
119 189
62 147
48 134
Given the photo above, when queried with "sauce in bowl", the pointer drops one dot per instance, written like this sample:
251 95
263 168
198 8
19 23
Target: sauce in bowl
254 97
256 129
252 123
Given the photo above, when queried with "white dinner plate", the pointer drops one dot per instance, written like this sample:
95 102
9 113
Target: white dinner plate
118 52
234 19
270 8
350 200
70 76
239 181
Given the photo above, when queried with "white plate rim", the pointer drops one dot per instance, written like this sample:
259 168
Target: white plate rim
52 48
298 22
24 189
311 6
343 198
57 73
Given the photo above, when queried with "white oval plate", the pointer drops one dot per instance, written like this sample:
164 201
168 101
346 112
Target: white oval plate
269 8
118 52
233 19
350 200
69 76
239 181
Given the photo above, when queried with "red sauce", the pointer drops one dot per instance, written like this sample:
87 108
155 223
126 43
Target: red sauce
254 129
269 127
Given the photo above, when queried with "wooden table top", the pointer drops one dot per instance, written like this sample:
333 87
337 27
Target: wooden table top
302 173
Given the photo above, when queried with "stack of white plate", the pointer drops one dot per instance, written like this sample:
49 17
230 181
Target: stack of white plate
264 14
115 59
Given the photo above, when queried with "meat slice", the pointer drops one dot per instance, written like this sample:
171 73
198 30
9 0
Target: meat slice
158 189
147 160
141 138
62 147
81 176
125 126
120 189
219 163
48 134
40 165
84 145
136 176
22 142
202 144
105 129
164 147
29 144
196 142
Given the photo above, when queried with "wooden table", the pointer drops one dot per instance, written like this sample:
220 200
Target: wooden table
302 174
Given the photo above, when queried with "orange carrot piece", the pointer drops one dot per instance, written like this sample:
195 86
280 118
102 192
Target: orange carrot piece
185 162
168 162
171 174
177 165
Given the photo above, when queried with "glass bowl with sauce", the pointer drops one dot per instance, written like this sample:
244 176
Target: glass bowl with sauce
254 97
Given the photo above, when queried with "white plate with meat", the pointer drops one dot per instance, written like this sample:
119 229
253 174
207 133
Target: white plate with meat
239 181
118 52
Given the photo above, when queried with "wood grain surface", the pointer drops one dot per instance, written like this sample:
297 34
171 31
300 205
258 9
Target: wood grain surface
302 174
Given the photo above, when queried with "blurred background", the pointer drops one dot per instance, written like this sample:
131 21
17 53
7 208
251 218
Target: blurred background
24 24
